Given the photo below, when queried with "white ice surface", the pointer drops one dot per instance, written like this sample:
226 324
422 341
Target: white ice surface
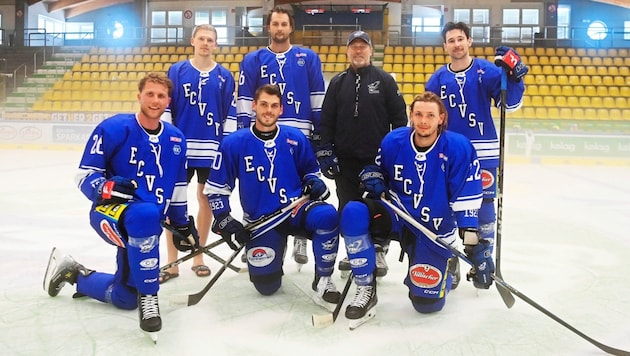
565 244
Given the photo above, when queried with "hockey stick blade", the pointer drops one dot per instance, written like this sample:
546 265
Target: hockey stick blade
195 298
323 320
507 289
508 298
605 348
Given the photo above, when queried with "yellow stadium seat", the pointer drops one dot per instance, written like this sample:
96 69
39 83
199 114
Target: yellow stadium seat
573 101
532 90
577 113
537 100
590 114
608 102
585 101
561 101
615 114
407 88
621 103
601 90
418 50
565 114
549 101
529 113
407 76
540 113
408 68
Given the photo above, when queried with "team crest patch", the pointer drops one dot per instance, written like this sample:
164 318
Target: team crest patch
301 62
177 150
487 179
373 87
260 256
425 276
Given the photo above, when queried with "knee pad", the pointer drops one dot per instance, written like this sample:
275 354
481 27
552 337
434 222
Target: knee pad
355 219
268 288
320 216
142 219
267 284
427 305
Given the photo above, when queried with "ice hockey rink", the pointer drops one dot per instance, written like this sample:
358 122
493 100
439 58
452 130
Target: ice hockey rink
565 244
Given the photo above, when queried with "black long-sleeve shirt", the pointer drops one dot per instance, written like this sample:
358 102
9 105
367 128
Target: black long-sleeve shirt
356 122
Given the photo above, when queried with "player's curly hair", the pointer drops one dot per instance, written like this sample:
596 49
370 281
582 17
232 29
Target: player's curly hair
156 77
430 97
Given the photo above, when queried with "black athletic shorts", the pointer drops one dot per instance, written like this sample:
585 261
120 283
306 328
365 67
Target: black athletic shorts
202 174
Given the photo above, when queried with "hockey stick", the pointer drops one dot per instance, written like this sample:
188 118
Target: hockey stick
504 289
198 251
205 250
500 176
262 222
320 320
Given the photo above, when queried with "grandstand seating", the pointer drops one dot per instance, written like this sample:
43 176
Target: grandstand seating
563 83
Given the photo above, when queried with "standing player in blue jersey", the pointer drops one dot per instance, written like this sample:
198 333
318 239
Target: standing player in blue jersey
274 164
298 73
434 176
204 108
467 86
133 169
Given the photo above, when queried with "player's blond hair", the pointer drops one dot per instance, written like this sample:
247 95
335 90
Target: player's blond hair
430 97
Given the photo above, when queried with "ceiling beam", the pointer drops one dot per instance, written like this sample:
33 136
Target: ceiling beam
64 4
92 6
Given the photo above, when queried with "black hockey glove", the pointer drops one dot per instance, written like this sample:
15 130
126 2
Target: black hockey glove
328 162
373 182
226 226
116 190
186 238
315 188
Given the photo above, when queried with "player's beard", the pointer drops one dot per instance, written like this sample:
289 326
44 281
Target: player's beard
280 39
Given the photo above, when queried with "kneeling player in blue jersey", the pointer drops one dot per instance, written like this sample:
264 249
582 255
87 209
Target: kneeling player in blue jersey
434 176
133 169
274 165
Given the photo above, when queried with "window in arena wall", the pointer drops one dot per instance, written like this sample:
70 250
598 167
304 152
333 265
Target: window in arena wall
626 30
167 26
519 25
564 21
427 19
478 20
217 17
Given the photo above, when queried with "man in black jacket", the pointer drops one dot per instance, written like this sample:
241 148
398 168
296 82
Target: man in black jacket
362 104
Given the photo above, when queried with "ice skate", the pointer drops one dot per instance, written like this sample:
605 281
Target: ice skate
299 251
326 294
453 270
362 308
381 263
61 270
149 315
345 267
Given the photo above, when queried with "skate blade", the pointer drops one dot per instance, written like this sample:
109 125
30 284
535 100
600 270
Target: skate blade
53 261
152 335
322 320
355 323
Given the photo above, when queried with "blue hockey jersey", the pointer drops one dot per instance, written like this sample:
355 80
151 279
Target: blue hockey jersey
203 106
269 173
298 73
437 187
468 96
119 146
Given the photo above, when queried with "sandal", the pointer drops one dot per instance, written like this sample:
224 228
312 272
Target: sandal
201 270
167 276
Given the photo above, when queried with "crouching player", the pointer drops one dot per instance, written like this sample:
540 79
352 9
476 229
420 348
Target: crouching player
133 169
274 165
434 176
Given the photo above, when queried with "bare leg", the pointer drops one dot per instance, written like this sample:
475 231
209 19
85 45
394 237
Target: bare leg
204 220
